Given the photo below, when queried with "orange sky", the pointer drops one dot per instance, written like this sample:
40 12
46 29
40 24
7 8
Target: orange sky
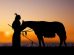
36 10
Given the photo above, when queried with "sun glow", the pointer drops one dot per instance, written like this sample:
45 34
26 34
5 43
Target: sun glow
7 33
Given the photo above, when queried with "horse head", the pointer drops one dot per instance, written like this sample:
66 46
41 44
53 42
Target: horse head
23 26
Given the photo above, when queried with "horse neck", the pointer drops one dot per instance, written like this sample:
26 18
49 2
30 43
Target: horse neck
29 24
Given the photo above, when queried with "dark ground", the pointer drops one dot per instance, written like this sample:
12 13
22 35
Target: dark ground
51 48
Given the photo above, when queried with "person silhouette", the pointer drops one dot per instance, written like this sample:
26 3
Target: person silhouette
16 25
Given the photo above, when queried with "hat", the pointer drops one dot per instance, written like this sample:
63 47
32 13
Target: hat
17 16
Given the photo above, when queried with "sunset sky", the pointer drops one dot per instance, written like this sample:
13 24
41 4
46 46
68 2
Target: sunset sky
36 10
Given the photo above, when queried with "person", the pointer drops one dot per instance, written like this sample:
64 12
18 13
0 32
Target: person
16 25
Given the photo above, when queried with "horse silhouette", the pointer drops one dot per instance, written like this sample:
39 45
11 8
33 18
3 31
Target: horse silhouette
46 29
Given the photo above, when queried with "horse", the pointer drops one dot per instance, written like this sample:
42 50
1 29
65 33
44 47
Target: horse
46 29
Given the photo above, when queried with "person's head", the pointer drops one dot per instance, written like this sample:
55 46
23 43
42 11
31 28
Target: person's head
18 17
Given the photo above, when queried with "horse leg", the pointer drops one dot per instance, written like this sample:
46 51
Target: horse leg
65 43
43 42
61 42
63 39
62 36
39 40
39 43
